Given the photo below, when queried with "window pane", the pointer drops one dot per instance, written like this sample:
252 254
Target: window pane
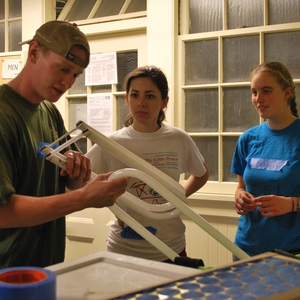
79 85
59 7
80 10
106 88
107 8
284 11
238 111
208 147
122 112
241 56
82 144
1 9
211 15
15 8
229 143
15 35
2 48
127 62
77 111
201 62
201 110
137 5
284 47
243 13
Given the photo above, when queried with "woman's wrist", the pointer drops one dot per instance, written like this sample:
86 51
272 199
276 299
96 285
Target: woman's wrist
295 204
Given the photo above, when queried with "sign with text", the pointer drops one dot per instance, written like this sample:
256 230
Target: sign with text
11 68
102 69
100 112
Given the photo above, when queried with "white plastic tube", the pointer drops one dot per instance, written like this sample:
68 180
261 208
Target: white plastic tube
60 160
163 184
134 161
130 158
152 211
148 236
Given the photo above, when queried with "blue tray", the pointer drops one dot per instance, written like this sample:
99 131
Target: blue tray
249 280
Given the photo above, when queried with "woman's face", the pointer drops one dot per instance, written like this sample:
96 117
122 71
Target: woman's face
268 98
145 102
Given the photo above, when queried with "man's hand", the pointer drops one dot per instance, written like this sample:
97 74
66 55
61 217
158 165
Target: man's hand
78 166
103 192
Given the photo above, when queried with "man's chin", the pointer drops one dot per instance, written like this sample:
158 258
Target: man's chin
53 99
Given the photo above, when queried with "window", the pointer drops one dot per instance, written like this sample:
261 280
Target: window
77 97
59 6
102 11
74 10
10 25
217 53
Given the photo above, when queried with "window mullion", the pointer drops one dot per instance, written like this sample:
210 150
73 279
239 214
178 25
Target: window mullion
65 11
94 9
125 6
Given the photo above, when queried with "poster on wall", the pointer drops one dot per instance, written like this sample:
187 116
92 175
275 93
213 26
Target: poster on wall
102 69
99 112
11 68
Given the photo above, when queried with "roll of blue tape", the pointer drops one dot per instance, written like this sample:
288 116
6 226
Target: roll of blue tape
27 283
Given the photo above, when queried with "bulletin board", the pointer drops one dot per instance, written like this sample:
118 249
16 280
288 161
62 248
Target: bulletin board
2 58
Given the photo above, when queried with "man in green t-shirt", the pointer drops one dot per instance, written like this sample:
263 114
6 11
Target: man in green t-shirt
33 201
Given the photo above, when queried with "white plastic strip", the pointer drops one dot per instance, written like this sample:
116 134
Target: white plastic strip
136 162
131 159
159 211
147 235
152 211
172 190
60 160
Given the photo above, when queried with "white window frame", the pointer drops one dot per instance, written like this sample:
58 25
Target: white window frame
217 187
6 22
91 20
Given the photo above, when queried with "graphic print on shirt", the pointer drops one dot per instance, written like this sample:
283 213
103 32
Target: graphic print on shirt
146 193
159 160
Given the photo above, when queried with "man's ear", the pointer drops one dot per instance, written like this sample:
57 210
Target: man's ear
33 51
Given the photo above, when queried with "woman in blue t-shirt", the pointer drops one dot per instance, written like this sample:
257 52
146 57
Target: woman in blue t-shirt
267 162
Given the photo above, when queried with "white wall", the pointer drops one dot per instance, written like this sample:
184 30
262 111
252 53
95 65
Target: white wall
34 14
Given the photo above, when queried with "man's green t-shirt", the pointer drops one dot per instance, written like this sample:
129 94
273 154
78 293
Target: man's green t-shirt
23 171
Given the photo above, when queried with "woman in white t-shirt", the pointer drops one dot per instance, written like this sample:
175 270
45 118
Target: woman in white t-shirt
168 148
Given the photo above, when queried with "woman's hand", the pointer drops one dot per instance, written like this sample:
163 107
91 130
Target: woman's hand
272 205
244 202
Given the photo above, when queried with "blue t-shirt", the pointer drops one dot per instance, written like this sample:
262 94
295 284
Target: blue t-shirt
269 162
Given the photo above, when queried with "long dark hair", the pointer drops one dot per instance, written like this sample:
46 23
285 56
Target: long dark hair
284 79
158 78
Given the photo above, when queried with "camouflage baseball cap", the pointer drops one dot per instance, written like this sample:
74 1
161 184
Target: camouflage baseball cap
60 37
